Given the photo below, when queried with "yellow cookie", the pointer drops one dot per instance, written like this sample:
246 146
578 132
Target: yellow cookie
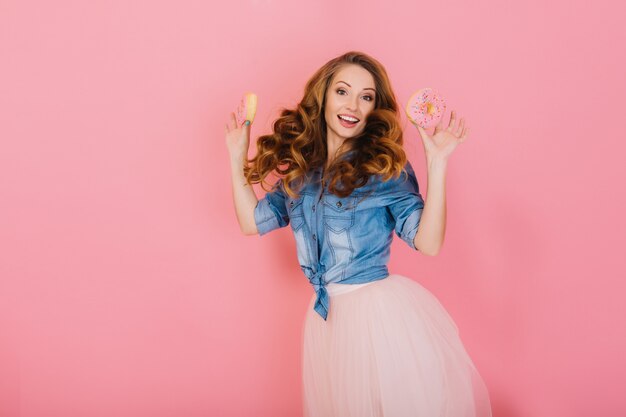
247 108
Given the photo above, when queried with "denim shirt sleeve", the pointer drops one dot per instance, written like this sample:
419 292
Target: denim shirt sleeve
406 205
271 211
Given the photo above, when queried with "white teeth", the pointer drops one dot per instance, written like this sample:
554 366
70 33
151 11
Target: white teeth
350 119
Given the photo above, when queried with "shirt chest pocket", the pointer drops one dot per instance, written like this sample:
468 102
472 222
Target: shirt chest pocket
339 212
295 207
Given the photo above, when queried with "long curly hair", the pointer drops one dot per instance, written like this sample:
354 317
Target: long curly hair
298 144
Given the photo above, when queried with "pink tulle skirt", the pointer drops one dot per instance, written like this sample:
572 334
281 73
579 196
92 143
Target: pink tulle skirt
388 349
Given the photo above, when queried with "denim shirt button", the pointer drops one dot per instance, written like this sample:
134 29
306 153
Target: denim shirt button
313 208
314 237
338 203
291 203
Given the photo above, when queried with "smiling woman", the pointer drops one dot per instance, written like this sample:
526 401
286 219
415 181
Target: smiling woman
348 104
347 123
374 344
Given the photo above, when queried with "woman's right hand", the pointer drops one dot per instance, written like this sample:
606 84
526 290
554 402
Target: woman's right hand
237 138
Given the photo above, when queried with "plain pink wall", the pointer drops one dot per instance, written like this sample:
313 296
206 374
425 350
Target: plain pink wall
126 287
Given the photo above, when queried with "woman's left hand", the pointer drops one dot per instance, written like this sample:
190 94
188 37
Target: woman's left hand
444 140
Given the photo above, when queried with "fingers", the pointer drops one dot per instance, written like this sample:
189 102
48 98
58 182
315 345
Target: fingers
452 120
423 133
233 121
459 130
245 127
463 135
439 127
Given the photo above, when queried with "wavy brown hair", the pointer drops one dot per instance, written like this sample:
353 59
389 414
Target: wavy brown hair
298 144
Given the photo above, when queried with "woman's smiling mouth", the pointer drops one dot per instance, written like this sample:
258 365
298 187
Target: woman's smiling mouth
347 120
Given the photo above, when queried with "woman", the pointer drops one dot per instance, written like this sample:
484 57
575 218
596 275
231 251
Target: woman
374 343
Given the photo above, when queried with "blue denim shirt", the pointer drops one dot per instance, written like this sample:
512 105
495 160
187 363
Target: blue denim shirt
344 240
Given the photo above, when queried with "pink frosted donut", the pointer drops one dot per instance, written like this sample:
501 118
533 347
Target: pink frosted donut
425 108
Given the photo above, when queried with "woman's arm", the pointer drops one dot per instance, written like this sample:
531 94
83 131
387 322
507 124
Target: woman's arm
432 227
244 198
438 148
238 141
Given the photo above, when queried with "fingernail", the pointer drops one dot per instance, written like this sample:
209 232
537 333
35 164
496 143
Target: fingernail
247 123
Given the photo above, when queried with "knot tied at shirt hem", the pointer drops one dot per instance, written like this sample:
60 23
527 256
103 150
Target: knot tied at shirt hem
316 278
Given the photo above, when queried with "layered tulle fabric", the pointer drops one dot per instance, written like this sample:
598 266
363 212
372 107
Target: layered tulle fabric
388 348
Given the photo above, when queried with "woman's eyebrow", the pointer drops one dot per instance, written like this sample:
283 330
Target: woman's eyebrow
373 89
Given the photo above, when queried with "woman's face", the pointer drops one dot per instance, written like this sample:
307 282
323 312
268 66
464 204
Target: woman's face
351 94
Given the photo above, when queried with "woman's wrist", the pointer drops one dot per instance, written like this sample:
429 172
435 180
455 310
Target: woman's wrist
435 162
237 161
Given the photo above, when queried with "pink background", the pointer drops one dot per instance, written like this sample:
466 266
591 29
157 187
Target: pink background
126 287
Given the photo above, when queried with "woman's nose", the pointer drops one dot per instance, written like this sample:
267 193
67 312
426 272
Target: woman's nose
353 104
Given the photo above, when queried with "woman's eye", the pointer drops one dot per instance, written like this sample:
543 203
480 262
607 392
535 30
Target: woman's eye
369 98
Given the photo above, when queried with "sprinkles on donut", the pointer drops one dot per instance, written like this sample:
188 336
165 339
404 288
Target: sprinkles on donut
425 107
